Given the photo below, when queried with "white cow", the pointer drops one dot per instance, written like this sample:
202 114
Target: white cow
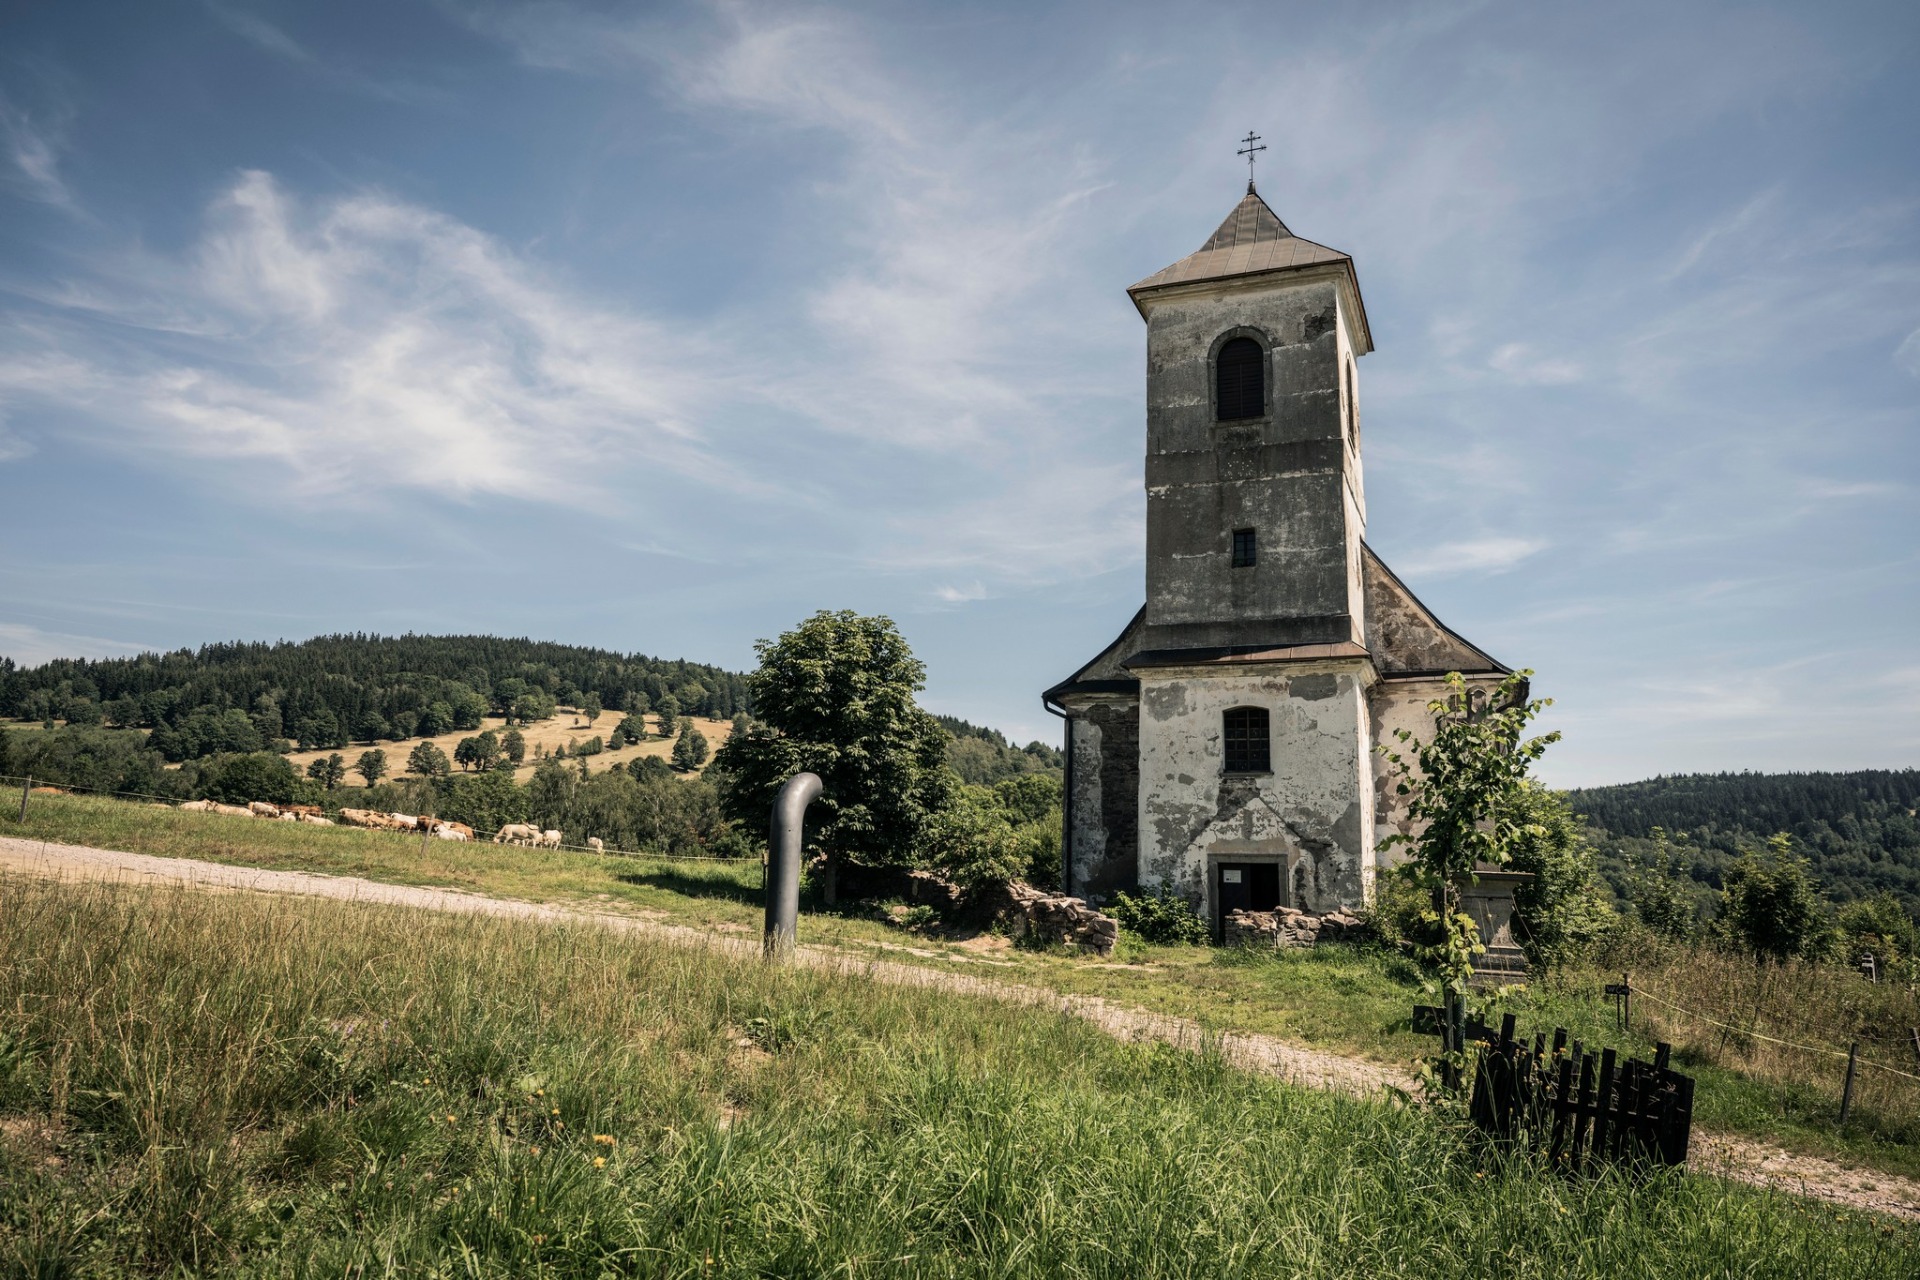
261 809
517 833
549 840
596 844
447 831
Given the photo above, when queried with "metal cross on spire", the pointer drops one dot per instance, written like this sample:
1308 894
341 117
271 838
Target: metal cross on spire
1252 139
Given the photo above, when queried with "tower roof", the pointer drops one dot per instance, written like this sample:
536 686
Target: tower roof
1251 242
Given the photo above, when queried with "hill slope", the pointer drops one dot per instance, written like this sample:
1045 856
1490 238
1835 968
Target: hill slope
328 691
1858 830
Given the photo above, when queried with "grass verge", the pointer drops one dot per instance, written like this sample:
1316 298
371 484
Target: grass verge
242 1085
1345 1000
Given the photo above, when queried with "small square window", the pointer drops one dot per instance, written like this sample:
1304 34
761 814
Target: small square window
1243 549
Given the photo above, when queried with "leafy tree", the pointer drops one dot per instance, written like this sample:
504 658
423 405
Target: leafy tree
970 840
465 752
1880 927
328 771
371 766
668 709
1564 907
1771 905
690 752
259 776
513 744
590 707
320 731
1468 798
404 723
428 761
633 726
835 696
1659 890
617 739
648 768
486 749
436 719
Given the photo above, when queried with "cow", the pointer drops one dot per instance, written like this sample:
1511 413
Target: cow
446 831
549 840
312 818
517 833
404 822
232 810
261 809
198 806
596 844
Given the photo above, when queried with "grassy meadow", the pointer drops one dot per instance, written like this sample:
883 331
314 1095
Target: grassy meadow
246 1085
1346 1000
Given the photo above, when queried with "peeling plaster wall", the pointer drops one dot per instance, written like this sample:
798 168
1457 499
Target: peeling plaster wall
1290 475
1393 705
1315 810
1104 806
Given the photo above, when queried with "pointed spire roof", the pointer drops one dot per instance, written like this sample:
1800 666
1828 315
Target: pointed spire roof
1252 241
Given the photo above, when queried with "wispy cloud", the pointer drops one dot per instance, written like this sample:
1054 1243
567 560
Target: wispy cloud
1473 555
365 344
33 148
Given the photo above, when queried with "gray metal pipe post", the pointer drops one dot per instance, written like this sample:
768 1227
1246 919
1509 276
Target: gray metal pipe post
783 863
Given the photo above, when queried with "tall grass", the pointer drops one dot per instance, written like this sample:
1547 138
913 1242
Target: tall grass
251 1086
1727 1010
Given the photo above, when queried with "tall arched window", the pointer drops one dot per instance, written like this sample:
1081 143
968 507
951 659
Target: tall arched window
1240 381
1246 740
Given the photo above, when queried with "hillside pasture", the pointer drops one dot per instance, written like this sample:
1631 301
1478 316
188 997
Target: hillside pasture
565 728
246 1086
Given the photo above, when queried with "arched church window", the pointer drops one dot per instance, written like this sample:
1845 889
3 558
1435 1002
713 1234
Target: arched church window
1246 740
1240 380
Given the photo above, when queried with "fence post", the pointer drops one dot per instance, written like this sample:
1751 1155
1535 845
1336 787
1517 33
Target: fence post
1846 1090
26 789
1626 1002
1914 1033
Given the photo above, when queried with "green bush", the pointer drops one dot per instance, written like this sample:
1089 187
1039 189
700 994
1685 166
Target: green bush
1161 915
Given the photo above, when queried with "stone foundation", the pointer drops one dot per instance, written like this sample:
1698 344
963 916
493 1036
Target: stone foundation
1286 927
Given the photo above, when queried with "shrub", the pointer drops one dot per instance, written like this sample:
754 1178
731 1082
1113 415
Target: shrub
1161 915
238 779
1772 906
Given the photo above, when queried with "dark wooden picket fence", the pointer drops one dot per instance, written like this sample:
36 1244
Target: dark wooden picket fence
1577 1108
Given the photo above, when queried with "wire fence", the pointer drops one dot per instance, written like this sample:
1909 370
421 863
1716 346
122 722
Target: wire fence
479 836
1826 1050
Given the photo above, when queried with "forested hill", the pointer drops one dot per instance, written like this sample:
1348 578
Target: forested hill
1858 829
323 692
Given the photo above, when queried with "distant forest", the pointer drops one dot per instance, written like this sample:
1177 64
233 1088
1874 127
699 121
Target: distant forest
984 756
1857 830
327 692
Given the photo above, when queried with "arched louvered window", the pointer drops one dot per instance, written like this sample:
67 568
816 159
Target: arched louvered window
1246 740
1240 381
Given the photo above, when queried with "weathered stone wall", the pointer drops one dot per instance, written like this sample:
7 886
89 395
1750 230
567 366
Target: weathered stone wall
1289 928
1314 810
1055 919
1105 857
1292 475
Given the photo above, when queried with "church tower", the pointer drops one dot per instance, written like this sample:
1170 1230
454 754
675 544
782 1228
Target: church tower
1222 746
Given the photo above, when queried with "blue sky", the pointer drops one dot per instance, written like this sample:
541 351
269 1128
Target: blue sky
659 327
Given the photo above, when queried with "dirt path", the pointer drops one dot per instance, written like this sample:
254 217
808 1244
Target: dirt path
1739 1159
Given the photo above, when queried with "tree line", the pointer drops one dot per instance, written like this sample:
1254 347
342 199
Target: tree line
1857 831
332 691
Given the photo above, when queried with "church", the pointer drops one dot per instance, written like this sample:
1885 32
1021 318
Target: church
1222 745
